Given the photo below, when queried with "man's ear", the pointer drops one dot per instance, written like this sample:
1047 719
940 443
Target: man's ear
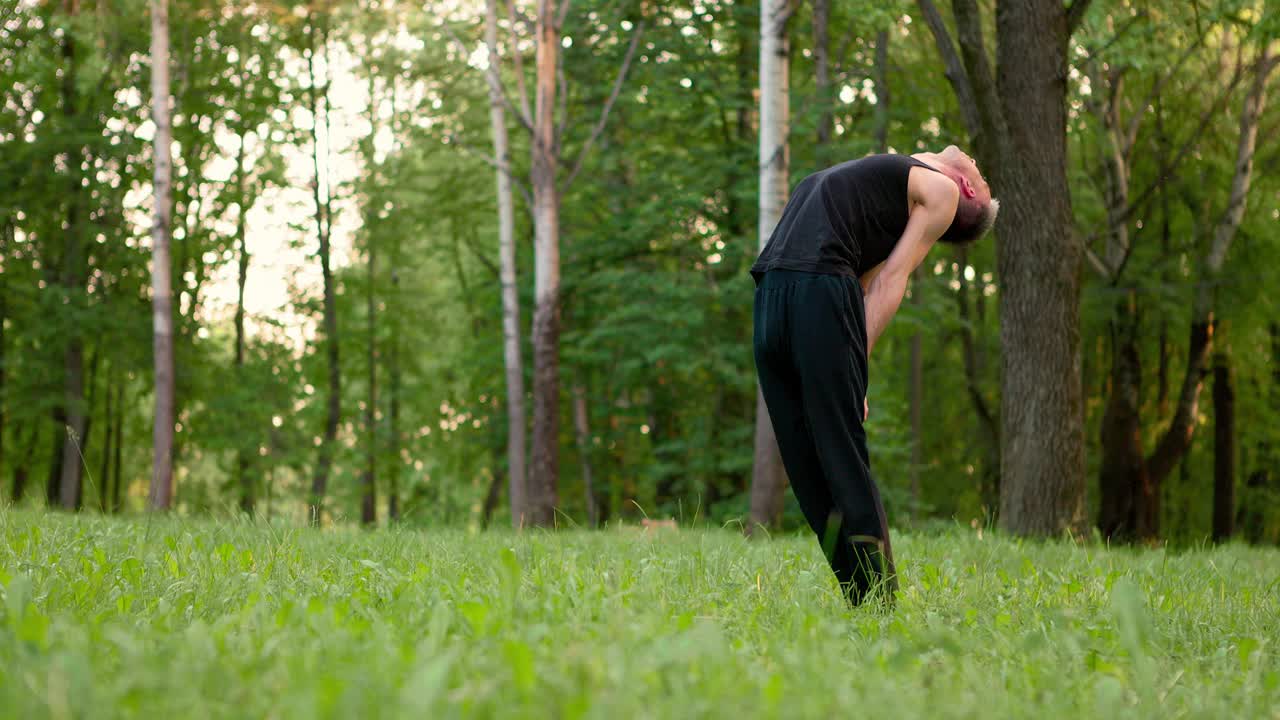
966 188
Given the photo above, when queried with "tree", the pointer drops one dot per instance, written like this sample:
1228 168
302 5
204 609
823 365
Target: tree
369 478
1017 120
72 283
512 361
162 294
1224 447
542 495
768 479
318 97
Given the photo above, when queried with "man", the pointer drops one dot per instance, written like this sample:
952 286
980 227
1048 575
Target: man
830 278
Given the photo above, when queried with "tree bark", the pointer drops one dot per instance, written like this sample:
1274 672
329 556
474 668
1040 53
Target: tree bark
768 480
881 81
108 438
582 428
161 496
6 232
22 465
490 499
1042 440
117 487
333 416
53 481
513 363
822 76
1129 499
1251 517
244 483
393 428
1017 120
369 477
1224 448
72 282
542 497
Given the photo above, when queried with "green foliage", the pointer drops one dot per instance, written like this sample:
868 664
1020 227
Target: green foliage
144 619
658 230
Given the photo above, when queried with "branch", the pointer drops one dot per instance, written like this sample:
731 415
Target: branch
526 116
564 13
493 79
608 106
1166 168
484 260
974 51
954 68
792 7
1131 135
493 162
1097 262
1075 14
1254 103
564 102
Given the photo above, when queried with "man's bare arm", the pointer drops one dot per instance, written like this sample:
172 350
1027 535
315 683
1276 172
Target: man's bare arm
932 211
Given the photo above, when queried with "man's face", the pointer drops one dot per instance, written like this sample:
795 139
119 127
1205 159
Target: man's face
961 161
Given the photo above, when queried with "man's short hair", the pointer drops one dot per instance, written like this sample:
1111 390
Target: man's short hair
974 218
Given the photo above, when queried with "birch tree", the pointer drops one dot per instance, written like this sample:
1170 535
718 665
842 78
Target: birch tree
162 293
768 479
512 359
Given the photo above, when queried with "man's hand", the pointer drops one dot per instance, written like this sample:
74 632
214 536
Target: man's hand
865 409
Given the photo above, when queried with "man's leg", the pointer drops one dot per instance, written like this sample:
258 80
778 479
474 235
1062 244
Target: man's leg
783 395
780 385
828 340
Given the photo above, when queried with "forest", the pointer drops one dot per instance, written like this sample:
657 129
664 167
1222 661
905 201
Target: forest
454 263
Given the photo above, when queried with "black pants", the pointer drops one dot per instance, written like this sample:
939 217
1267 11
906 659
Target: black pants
811 356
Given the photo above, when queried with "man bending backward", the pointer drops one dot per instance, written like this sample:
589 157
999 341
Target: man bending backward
827 283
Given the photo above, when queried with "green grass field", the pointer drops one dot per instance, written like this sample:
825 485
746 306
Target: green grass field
121 618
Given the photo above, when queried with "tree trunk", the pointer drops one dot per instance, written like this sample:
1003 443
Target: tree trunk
822 77
1224 448
1042 440
53 482
22 465
369 479
318 96
1251 517
117 487
72 281
542 497
881 81
393 429
491 498
1129 497
507 267
108 438
5 233
244 483
1017 120
1162 371
768 480
161 496
582 427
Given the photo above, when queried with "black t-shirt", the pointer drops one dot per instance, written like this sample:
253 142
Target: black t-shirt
844 220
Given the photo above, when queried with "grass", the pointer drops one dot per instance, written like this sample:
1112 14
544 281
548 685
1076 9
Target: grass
119 618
